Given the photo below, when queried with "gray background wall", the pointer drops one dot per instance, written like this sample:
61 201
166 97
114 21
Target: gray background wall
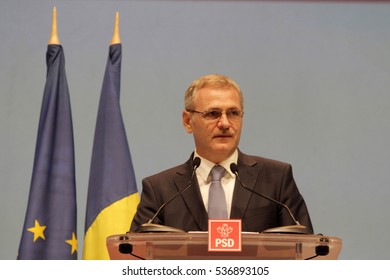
315 75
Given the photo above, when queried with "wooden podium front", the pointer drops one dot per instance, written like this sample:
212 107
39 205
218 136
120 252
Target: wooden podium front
194 246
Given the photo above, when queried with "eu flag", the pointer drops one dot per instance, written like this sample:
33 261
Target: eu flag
112 193
49 230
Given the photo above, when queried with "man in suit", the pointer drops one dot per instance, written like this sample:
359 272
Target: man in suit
213 114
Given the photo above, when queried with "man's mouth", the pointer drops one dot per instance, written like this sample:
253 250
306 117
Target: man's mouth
223 136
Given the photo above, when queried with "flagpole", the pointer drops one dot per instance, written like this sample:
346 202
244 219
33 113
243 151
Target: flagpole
54 40
115 37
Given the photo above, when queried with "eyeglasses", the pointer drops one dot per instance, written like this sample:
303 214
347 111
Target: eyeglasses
216 114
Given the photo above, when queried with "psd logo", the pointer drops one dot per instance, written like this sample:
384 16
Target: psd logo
225 235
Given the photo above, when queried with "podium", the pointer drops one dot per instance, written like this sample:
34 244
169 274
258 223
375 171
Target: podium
194 246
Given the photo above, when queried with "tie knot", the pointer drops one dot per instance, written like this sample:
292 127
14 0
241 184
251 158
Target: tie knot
217 173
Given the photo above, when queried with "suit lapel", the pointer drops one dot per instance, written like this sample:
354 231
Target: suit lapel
248 170
192 197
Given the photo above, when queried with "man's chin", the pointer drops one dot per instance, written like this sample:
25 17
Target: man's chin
224 148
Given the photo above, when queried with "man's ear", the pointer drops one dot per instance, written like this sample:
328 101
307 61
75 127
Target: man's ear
186 118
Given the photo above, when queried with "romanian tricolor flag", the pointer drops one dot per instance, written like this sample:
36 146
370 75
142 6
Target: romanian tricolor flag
112 193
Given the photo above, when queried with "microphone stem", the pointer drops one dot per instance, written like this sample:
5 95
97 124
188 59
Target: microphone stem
269 198
173 197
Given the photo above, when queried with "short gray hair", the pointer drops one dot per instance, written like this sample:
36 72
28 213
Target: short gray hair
210 81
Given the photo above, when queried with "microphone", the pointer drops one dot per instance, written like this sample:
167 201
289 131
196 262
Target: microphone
152 227
297 228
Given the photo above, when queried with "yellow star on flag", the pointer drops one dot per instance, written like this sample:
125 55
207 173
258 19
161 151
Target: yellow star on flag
72 242
37 230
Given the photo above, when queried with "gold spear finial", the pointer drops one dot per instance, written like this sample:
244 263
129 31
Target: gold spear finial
54 35
115 37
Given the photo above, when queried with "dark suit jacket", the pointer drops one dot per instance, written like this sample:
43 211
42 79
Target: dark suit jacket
187 212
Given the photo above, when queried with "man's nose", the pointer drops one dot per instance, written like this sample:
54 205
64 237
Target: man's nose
223 121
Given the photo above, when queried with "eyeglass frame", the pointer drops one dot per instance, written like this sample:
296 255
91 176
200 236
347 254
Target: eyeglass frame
228 113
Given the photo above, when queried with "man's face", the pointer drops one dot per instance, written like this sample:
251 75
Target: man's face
215 139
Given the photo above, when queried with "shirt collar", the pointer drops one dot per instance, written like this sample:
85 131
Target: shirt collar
205 165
